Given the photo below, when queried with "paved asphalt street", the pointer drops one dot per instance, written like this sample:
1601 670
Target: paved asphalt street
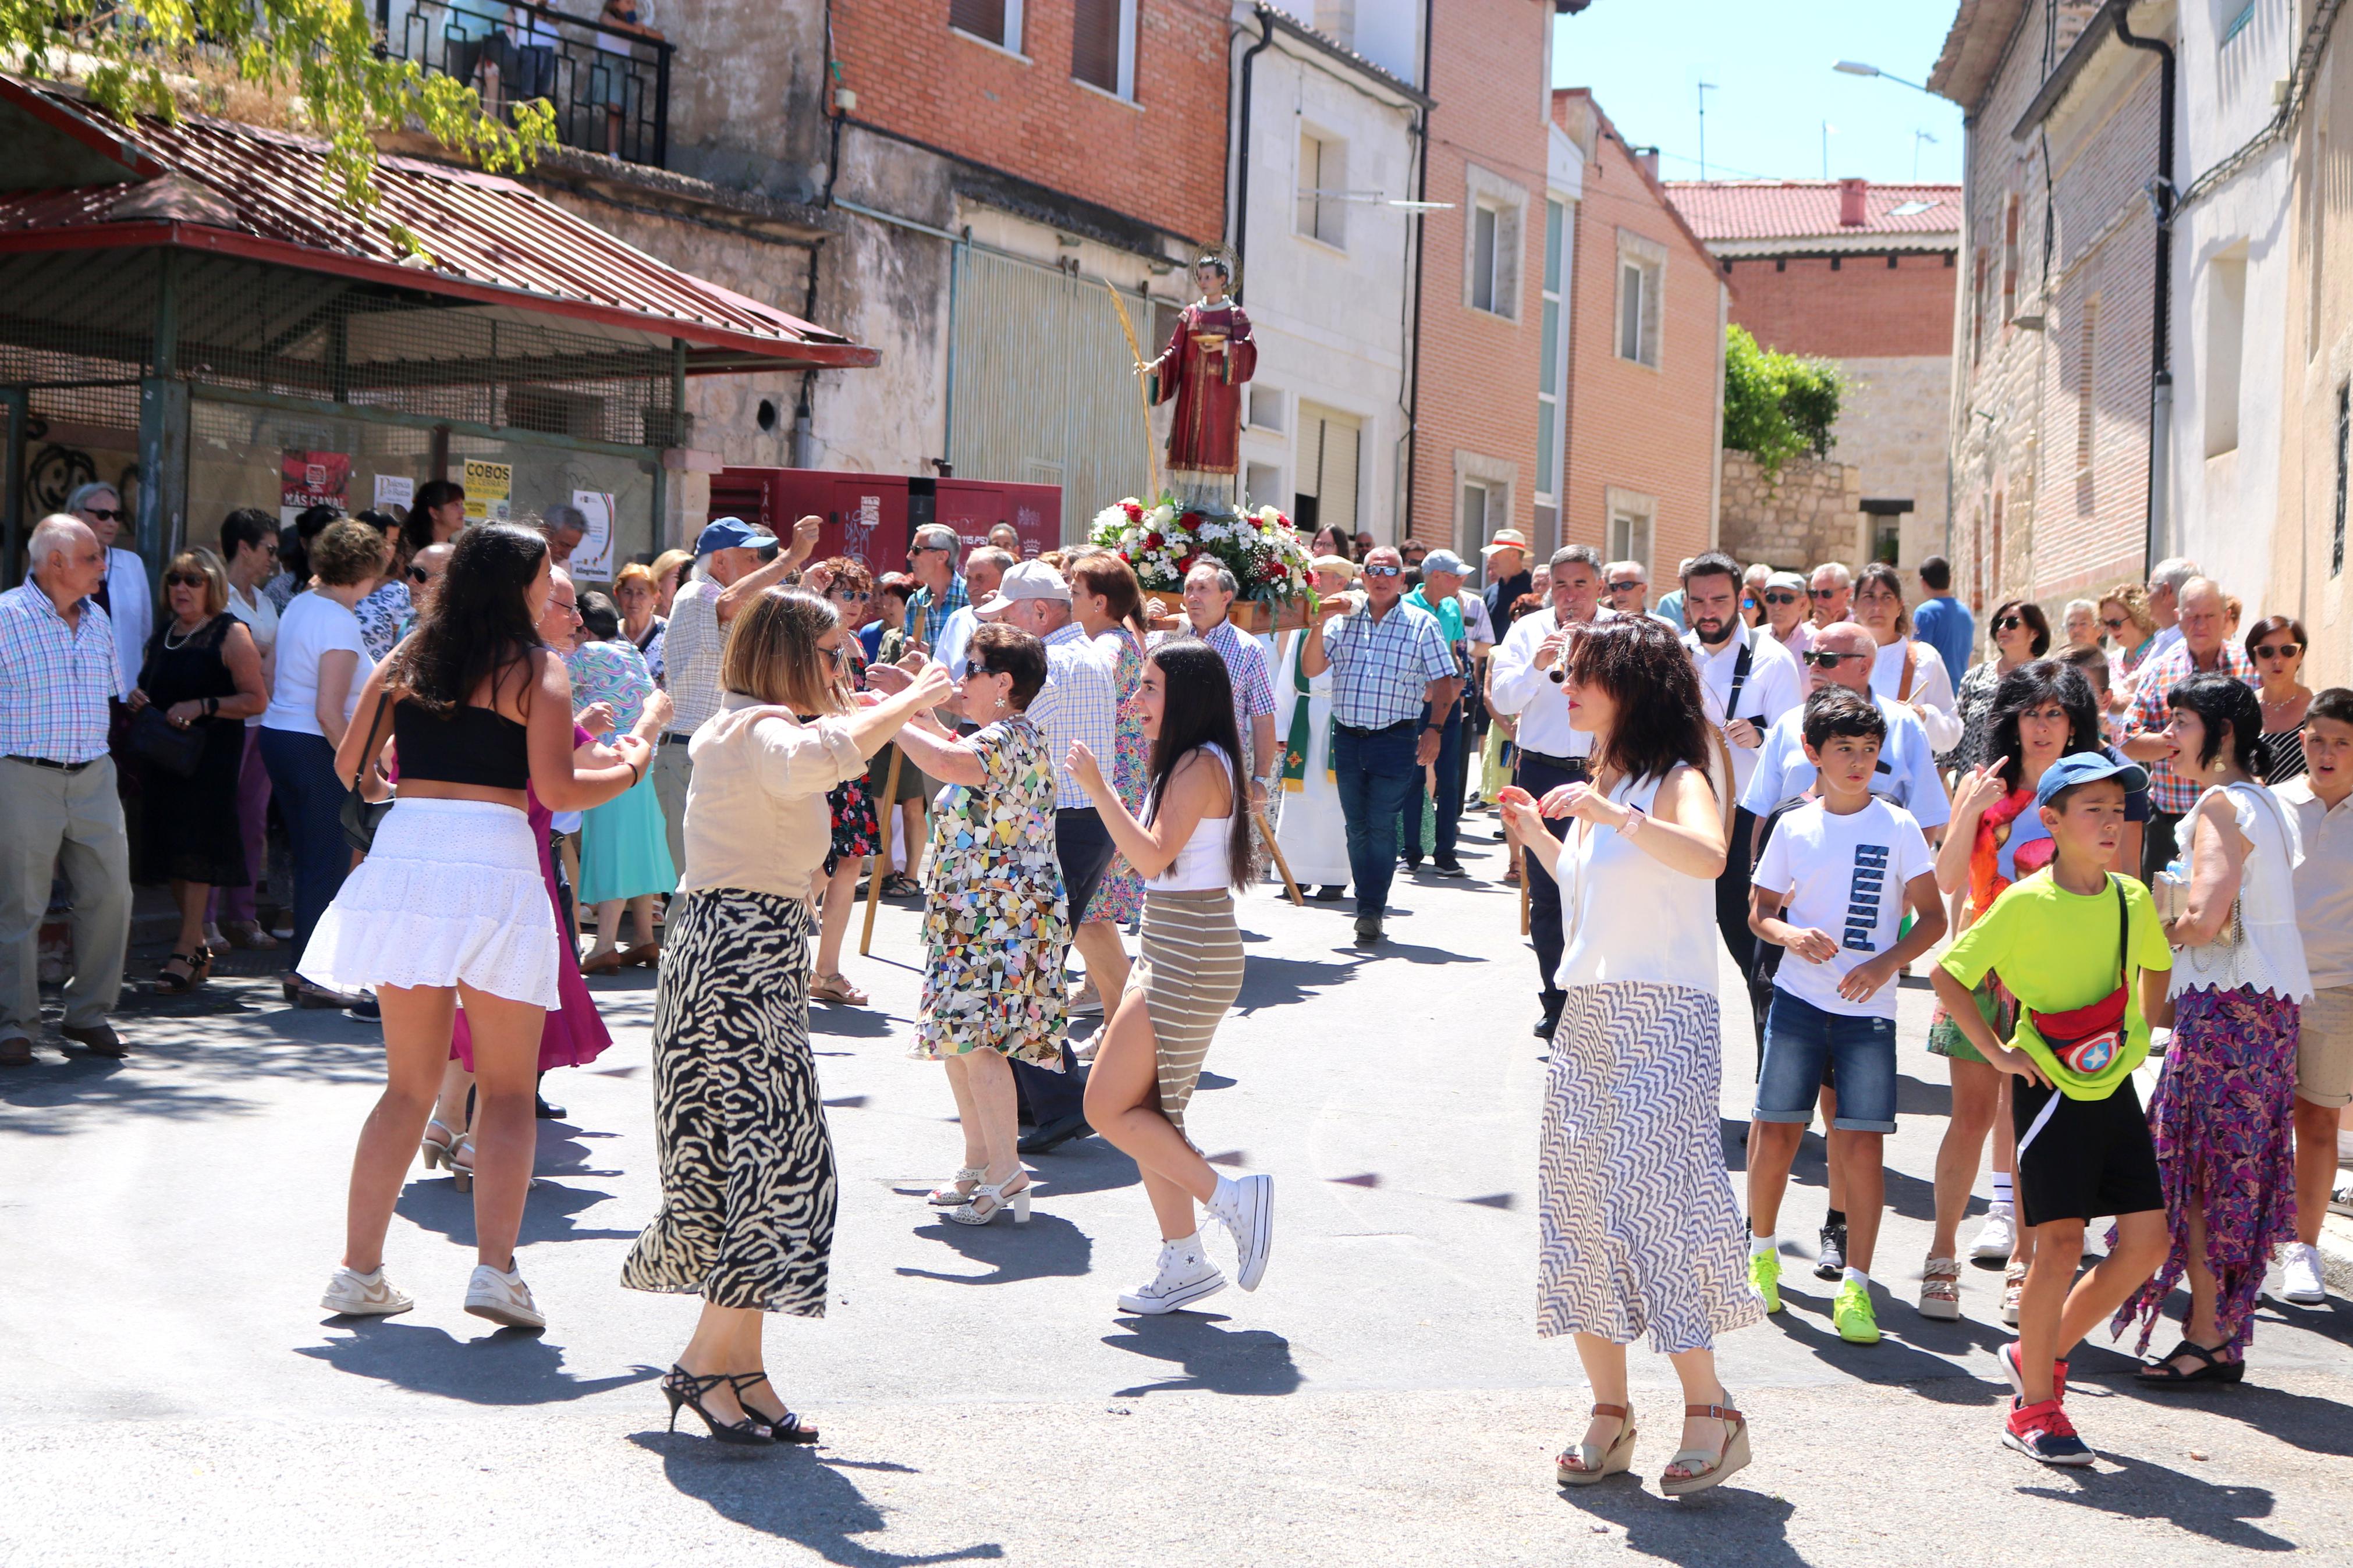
170 1392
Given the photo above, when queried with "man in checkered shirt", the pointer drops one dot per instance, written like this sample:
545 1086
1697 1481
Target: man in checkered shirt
57 800
1080 701
2205 646
1393 683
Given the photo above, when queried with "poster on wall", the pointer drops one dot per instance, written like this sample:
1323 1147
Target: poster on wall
395 491
306 479
490 491
592 560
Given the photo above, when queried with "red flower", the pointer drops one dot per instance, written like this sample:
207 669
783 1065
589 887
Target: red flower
1135 511
1153 541
1190 523
1185 567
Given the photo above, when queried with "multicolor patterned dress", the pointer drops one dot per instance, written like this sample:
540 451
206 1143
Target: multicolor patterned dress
1119 897
856 831
997 921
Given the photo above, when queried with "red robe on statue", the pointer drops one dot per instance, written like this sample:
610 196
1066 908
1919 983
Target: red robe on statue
1205 435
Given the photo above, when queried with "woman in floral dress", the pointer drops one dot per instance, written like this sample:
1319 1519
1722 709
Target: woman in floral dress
1107 602
996 922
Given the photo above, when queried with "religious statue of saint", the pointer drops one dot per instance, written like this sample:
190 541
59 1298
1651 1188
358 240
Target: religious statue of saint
1208 358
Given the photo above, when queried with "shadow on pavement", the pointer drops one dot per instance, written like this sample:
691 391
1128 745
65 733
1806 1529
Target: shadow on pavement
434 1203
791 1493
506 1367
1081 1166
1804 1321
2136 1489
1280 981
1048 1246
2314 1426
1727 1523
1215 1360
849 1022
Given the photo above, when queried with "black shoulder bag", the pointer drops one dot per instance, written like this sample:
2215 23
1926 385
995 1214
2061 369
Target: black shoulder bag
360 815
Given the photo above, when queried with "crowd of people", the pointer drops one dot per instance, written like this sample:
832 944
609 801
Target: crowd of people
462 777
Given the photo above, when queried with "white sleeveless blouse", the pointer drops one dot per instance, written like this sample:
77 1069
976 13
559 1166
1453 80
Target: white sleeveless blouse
1630 917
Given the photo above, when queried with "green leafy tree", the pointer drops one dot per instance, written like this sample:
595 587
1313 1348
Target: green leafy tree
1778 406
315 62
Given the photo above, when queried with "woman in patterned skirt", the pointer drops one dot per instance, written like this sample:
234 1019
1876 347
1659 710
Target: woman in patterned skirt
1107 601
1638 1230
997 921
746 1221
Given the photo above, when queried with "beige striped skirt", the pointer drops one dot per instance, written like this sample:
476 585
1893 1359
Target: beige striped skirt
1190 971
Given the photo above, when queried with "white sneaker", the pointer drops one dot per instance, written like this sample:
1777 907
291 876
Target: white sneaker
1998 1239
1185 1276
1250 1221
356 1295
503 1299
2300 1280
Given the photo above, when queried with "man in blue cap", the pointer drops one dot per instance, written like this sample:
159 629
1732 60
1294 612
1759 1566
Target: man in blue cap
727 574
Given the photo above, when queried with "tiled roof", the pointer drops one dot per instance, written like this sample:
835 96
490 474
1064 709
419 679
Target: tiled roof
1734 216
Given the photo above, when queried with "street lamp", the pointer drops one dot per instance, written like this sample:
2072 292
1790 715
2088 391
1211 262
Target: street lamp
1856 68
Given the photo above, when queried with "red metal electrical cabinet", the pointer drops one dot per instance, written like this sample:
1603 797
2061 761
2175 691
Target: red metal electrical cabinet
870 517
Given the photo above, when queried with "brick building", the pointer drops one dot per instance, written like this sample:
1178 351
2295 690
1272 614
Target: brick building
1492 275
2049 429
1644 413
1863 275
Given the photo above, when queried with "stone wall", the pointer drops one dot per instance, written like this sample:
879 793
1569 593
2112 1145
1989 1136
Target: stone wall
1810 513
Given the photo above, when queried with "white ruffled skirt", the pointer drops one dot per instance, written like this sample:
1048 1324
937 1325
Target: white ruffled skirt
452 892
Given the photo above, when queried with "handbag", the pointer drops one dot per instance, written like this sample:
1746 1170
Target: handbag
163 745
360 815
2087 1039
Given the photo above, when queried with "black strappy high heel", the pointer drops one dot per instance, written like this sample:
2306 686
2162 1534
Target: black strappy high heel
785 1428
683 1387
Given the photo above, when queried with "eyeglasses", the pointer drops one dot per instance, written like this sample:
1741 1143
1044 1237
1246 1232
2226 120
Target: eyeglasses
1784 597
1820 659
110 514
2009 623
852 595
2279 650
1382 570
183 580
1821 593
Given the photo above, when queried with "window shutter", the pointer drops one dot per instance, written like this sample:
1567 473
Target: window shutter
981 19
1095 43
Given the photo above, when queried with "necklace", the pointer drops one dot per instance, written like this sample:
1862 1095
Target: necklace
171 647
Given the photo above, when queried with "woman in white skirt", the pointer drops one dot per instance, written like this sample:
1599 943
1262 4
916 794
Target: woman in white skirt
1193 849
449 905
1639 1229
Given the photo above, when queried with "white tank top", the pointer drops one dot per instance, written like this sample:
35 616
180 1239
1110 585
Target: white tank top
2270 955
1632 917
1200 867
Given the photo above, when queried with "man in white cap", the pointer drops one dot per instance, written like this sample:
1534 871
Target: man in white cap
1080 701
1440 593
1503 563
1786 614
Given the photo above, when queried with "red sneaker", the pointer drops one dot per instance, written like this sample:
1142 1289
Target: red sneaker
2008 1355
2042 1432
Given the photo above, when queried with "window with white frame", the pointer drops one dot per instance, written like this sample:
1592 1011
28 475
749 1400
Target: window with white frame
1486 489
1633 523
1641 287
1102 45
1492 242
1482 501
994 22
1323 188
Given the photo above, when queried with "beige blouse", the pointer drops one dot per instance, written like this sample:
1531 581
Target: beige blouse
755 812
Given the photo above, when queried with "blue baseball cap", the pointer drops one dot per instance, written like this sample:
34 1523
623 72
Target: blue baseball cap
728 533
2088 767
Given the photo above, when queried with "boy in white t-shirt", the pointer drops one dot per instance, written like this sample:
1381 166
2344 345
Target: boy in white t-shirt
1832 887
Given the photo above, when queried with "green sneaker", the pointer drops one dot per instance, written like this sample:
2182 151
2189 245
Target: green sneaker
1852 1315
1764 1279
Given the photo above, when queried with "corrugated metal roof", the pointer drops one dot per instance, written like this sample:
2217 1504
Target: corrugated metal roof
1726 214
489 237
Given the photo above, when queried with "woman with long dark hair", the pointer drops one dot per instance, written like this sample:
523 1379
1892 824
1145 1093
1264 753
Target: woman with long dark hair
1638 1230
449 906
1192 846
2019 635
2275 648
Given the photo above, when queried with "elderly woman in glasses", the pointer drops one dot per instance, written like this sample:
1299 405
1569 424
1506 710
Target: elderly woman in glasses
2020 634
203 673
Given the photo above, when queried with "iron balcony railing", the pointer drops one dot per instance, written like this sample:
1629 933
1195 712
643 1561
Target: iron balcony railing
609 85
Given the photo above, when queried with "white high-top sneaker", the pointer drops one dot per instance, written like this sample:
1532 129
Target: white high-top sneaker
1999 1237
1249 1218
1185 1276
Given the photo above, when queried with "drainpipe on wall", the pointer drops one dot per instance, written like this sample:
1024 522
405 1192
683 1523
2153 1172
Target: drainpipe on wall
1420 245
1242 145
2161 193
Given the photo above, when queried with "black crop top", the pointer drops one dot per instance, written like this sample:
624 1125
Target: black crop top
471 746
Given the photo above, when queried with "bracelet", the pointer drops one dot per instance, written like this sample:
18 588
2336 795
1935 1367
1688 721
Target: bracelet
637 773
1635 817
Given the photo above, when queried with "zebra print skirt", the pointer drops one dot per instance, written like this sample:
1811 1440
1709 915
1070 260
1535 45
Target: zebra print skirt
1189 969
1640 1231
747 1177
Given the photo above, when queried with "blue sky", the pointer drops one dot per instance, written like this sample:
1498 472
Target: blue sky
1774 86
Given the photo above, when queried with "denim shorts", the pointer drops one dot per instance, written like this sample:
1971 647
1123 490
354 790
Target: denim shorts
1801 1039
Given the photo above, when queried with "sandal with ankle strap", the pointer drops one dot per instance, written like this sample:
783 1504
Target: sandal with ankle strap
1733 1456
194 966
437 1150
1592 1463
2211 1368
987 1202
785 1428
837 989
1941 1290
950 1193
683 1387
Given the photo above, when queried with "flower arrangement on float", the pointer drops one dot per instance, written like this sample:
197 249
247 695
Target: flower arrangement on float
1164 541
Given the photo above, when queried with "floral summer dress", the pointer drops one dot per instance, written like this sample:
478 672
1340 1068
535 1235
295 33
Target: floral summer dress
997 921
856 832
1119 897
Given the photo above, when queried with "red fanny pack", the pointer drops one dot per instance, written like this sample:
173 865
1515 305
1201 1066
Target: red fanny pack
2087 1039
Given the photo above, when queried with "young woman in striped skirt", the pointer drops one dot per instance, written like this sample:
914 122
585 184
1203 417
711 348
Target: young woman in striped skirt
1192 847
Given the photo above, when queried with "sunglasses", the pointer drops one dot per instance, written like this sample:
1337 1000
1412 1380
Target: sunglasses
419 574
1821 593
2009 623
973 666
2118 624
1626 587
1383 571
108 512
1781 598
1822 660
183 580
852 595
2279 650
